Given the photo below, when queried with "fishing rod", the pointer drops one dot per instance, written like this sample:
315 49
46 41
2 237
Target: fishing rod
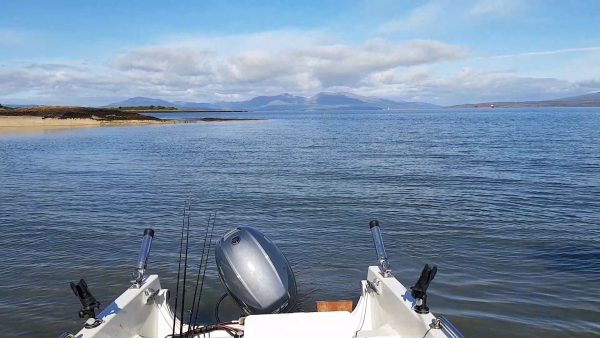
199 270
187 245
206 262
179 267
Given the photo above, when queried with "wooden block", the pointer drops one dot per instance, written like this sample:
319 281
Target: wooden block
334 305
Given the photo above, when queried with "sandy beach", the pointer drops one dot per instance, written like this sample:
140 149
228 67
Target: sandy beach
29 124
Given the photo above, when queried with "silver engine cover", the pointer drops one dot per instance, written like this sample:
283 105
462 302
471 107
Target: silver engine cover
255 272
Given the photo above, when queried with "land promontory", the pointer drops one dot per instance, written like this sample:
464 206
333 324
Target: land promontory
61 112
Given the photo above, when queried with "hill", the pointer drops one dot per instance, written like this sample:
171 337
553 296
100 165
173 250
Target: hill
587 100
364 102
144 103
326 101
59 112
320 101
140 101
147 108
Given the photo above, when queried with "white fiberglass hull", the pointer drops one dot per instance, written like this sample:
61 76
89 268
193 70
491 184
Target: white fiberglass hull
385 309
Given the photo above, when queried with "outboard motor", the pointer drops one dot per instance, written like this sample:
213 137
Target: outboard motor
255 272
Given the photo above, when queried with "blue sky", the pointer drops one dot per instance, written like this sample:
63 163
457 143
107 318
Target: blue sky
444 52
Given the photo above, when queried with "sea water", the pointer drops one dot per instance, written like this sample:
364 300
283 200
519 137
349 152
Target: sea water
505 202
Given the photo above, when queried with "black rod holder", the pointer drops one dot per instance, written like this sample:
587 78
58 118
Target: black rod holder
419 290
89 304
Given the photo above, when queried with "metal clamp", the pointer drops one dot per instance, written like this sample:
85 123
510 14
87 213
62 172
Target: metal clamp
150 295
444 324
66 335
375 285
92 323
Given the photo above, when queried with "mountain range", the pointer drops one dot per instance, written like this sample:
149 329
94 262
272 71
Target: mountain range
329 101
340 101
587 100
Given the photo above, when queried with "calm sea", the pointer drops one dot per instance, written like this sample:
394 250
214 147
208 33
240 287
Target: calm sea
505 202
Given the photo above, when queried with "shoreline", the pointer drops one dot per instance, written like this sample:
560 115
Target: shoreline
31 121
33 124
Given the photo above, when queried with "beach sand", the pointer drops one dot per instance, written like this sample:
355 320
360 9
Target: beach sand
33 124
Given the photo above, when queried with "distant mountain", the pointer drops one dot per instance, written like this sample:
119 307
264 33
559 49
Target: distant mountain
22 105
321 101
274 102
587 100
141 101
364 102
337 99
195 105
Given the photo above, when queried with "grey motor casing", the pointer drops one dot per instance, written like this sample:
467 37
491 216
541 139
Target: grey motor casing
255 272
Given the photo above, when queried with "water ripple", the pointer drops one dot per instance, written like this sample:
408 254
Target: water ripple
504 202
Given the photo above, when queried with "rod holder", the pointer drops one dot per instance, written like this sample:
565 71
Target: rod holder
419 290
384 265
138 273
89 304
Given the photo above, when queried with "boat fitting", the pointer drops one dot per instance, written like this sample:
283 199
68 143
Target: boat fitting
138 273
384 265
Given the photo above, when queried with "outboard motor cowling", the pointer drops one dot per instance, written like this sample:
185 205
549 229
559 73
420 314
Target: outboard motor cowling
255 272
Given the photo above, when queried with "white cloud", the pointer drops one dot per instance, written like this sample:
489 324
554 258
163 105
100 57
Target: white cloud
592 83
495 8
420 83
444 15
545 52
308 65
11 38
420 18
242 66
178 60
469 85
56 66
230 67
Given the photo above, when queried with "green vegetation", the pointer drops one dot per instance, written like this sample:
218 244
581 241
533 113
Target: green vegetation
58 112
5 107
148 108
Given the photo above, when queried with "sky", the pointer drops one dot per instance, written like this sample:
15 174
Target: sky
440 51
